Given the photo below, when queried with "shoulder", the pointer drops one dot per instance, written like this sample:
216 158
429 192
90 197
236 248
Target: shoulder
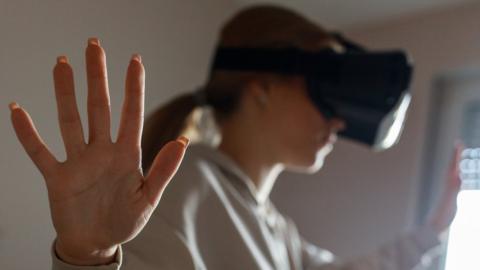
191 185
310 254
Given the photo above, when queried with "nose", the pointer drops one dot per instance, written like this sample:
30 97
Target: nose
337 125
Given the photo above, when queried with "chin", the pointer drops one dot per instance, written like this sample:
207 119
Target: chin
315 163
315 167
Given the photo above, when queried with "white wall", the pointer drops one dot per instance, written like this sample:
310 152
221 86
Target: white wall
361 199
175 39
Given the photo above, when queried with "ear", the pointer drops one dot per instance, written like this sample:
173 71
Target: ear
258 91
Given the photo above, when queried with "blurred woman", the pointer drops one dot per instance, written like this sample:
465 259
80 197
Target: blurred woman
216 214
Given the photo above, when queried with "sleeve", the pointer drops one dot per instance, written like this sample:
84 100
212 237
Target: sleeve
158 246
413 251
58 264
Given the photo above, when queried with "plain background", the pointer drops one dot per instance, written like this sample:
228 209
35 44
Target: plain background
357 202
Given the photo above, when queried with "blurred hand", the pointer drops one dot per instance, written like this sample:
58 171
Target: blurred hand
99 197
446 209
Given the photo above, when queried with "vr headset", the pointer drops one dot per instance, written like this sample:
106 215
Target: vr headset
368 90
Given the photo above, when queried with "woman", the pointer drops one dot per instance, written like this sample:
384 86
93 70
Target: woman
216 214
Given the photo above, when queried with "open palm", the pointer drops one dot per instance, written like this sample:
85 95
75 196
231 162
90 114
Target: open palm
99 197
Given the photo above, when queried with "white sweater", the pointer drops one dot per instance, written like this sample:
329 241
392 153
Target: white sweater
209 218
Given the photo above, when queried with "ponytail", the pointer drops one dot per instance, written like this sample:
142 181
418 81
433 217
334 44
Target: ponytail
165 124
222 94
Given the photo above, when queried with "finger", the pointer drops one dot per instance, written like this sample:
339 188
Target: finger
68 116
454 172
31 140
457 155
98 96
447 205
163 168
131 122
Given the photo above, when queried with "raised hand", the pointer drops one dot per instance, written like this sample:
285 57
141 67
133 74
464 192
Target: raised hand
99 197
446 208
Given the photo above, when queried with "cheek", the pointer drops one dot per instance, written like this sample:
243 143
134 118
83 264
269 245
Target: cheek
302 130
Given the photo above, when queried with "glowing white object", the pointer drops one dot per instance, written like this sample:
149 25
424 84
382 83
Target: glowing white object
464 239
392 125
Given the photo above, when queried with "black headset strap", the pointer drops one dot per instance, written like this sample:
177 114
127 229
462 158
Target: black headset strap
291 61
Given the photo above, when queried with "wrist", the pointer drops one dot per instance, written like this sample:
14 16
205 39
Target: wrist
81 255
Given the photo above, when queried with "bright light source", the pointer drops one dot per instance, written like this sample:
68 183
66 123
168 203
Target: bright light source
464 240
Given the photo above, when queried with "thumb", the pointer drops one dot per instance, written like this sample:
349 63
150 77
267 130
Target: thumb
164 167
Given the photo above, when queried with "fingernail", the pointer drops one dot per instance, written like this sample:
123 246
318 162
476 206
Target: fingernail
137 57
93 41
184 140
62 59
13 106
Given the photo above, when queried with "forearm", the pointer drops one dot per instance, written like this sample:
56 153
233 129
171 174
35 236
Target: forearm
406 252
